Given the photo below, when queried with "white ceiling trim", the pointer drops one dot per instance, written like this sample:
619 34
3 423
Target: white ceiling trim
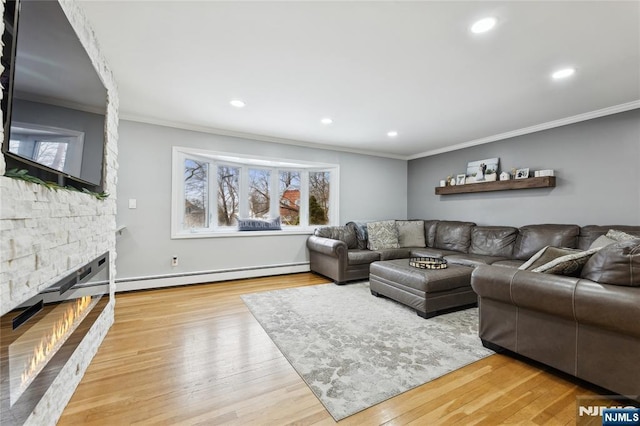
532 129
252 136
526 130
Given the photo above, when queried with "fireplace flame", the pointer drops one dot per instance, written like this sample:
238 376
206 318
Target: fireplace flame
51 341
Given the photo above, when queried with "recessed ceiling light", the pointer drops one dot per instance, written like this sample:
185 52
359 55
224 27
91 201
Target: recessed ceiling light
237 103
563 73
392 134
326 121
483 25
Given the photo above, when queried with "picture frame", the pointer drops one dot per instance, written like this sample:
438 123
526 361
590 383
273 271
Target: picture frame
482 170
522 173
460 179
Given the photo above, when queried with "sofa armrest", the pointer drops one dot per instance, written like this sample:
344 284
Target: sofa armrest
616 308
327 246
548 293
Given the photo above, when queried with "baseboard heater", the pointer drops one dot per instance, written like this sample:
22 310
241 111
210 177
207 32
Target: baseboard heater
201 277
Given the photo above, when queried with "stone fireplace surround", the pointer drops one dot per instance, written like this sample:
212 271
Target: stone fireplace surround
45 234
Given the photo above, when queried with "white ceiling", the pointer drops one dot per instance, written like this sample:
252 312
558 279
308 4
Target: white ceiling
372 67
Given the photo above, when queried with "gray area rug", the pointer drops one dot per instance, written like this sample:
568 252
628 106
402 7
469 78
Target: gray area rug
355 350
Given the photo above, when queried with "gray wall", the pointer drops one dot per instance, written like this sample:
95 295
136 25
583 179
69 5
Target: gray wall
597 165
56 116
370 188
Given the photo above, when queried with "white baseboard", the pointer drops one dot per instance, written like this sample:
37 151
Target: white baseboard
144 283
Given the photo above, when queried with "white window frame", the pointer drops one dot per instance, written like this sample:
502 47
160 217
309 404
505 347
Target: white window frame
245 162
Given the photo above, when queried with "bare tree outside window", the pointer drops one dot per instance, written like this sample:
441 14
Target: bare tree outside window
319 191
259 193
52 154
228 197
289 197
196 194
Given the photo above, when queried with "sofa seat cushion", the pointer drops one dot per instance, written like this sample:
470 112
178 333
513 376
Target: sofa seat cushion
431 252
616 264
509 263
472 260
382 235
411 233
533 238
452 235
399 253
361 257
493 240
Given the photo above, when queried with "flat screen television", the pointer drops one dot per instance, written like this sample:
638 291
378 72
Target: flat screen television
54 114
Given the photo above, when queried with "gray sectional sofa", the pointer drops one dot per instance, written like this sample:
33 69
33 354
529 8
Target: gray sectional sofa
585 325
341 253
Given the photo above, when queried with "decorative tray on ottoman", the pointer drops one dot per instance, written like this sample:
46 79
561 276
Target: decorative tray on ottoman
428 262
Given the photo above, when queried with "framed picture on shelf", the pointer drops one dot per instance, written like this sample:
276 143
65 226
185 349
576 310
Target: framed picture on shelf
460 179
522 173
477 171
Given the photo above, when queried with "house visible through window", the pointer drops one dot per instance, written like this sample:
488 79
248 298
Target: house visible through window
212 191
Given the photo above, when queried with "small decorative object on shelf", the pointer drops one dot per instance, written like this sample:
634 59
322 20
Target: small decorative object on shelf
522 173
490 175
541 173
428 262
505 176
443 183
460 179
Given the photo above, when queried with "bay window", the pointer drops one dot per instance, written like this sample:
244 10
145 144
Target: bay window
211 191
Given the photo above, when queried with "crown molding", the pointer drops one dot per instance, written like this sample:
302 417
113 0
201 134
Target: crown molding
532 129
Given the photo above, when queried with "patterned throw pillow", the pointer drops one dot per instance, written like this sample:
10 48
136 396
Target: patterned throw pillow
411 233
382 235
620 236
570 265
259 225
546 255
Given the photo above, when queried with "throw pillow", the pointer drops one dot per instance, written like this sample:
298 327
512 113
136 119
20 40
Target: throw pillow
570 265
382 235
601 241
616 264
546 255
259 225
411 233
619 235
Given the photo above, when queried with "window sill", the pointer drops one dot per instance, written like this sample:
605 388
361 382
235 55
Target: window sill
234 234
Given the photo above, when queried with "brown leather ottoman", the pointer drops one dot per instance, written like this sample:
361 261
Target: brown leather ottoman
429 292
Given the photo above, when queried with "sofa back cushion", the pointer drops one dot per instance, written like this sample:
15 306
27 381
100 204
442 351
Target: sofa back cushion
616 264
343 233
493 240
411 233
453 235
532 238
589 233
430 232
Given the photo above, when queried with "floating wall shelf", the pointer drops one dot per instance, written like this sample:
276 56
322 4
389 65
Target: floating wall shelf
500 185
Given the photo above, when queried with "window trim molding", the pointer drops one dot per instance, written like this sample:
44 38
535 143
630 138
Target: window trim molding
180 154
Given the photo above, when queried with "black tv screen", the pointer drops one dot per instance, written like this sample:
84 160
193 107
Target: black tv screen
56 101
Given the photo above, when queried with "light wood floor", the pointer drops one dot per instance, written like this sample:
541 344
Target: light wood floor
195 355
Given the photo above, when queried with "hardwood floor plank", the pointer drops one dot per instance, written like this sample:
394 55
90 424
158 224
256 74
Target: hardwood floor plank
195 355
